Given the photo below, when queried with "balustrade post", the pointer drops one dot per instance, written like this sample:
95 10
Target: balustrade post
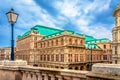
29 76
52 77
24 75
39 76
34 76
45 76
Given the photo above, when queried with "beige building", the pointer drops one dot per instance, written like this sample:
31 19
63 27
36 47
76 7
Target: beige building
5 53
54 48
116 36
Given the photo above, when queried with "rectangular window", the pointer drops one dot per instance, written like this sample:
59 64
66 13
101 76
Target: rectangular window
52 57
115 49
57 57
76 57
62 57
41 57
69 57
104 57
81 58
115 61
48 58
44 57
35 45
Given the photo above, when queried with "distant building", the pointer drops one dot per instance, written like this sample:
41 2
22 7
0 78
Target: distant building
5 53
54 48
116 36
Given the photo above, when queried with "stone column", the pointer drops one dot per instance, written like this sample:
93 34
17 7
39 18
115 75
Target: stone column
45 76
39 76
52 77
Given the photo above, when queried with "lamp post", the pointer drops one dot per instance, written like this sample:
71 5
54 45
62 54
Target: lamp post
12 18
91 57
90 64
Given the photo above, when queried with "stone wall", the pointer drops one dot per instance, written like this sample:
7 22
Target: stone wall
104 72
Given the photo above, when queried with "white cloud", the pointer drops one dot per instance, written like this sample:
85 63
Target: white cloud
67 8
82 14
97 6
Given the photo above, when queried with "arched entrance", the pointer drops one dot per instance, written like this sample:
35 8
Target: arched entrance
88 67
76 68
70 67
81 68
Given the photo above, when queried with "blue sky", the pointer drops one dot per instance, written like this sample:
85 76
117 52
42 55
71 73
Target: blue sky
92 17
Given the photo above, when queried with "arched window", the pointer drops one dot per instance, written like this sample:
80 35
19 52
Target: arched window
76 42
52 43
56 42
35 45
81 42
62 41
70 41
104 46
48 43
44 44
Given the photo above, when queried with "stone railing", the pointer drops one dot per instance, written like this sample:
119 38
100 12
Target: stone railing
39 73
99 71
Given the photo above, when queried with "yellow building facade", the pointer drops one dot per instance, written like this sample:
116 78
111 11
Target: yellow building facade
116 37
54 48
5 53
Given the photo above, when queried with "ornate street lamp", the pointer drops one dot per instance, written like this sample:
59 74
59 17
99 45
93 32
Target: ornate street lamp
12 18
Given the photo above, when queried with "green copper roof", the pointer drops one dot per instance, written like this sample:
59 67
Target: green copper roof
41 30
92 46
45 30
90 42
98 40
60 33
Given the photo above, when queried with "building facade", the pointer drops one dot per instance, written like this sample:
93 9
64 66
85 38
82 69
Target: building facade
5 53
54 48
116 36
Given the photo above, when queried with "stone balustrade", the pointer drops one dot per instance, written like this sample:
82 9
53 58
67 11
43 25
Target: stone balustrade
40 73
99 71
